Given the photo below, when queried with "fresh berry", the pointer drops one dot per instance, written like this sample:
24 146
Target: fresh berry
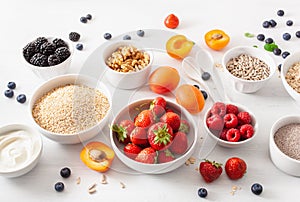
158 111
184 126
230 120
47 48
160 136
59 43
147 155
123 130
79 46
9 93
223 134
279 67
132 150
59 186
88 16
244 118
285 54
165 156
158 106
215 122
21 98
280 12
140 33
11 85
83 19
246 131
272 23
286 36
202 192
277 51
289 23
29 50
107 36
172 119
269 40
179 144
297 34
126 37
159 101
235 168
53 60
38 42
63 53
266 24
218 108
260 37
230 108
197 86
210 170
233 135
139 137
144 119
205 76
74 36
65 172
204 93
256 188
39 59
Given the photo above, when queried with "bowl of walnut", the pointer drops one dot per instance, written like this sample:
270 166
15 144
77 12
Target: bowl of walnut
127 63
248 68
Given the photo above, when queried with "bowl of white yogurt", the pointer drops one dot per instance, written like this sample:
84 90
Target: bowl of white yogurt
20 149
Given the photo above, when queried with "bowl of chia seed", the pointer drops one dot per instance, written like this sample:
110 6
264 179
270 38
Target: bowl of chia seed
284 144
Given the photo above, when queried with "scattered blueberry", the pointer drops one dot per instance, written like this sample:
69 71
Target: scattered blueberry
280 12
126 37
9 93
88 16
260 37
257 188
11 85
202 192
289 23
107 36
273 23
269 40
279 67
277 51
79 46
83 20
140 33
59 186
21 98
197 86
204 93
205 76
286 36
266 24
285 54
65 172
298 34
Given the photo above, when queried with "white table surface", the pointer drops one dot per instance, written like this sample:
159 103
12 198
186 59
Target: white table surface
22 21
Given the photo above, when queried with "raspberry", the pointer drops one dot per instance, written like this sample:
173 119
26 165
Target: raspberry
244 118
215 122
246 131
218 108
230 120
233 135
230 108
223 134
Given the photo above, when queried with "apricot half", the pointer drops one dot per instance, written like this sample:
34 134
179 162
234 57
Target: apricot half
179 46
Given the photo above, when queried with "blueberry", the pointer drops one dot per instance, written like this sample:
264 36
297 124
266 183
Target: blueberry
277 51
205 76
11 85
286 36
88 16
257 188
266 24
298 34
285 54
79 46
260 37
9 93
202 192
197 86
83 19
65 172
204 93
21 98
289 23
126 37
279 67
59 186
269 40
280 12
273 23
140 33
107 36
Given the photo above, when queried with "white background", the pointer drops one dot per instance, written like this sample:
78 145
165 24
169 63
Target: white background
22 21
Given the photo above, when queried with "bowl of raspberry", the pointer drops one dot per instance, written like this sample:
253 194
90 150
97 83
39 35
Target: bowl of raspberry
48 57
231 125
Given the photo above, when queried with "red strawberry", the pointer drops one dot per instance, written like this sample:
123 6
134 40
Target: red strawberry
218 108
244 118
215 122
230 121
235 168
139 137
160 136
144 119
132 150
184 126
165 156
179 144
158 111
233 135
160 101
147 155
232 109
210 171
123 130
169 110
172 119
246 131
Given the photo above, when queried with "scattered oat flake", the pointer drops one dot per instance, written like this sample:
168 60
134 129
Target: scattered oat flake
92 188
234 189
103 180
78 180
218 65
122 185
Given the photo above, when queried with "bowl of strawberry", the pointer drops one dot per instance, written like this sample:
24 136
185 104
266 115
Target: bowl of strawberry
153 135
230 124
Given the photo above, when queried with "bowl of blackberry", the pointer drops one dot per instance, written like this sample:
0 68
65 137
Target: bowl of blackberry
48 57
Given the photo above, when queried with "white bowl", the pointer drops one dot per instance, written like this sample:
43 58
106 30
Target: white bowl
124 80
15 139
80 136
229 144
130 112
242 85
282 161
48 72
288 62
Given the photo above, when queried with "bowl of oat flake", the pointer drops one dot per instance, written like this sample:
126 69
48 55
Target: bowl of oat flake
284 144
70 109
248 68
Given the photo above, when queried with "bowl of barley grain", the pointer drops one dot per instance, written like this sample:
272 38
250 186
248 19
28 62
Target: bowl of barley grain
248 68
70 109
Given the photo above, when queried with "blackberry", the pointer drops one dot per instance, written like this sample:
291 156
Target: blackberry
29 50
63 53
53 60
39 59
38 42
47 48
74 36
59 43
